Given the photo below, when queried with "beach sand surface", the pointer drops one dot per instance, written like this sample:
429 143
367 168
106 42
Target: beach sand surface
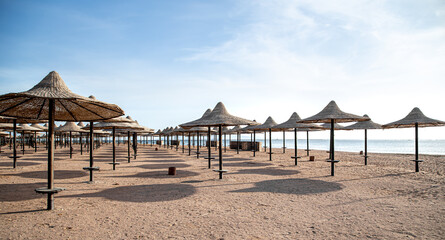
256 199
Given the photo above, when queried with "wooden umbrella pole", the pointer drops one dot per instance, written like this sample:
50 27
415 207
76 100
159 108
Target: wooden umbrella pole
366 147
71 145
270 144
197 145
128 146
307 143
417 146
295 146
14 156
81 144
254 143
225 143
91 151
190 147
284 141
209 156
332 148
183 142
114 148
220 154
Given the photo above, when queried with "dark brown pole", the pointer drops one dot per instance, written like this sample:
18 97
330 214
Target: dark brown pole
270 144
183 143
23 142
52 112
35 141
91 151
197 146
332 148
284 141
190 149
307 143
71 147
220 154
295 146
81 144
128 144
209 156
265 142
237 142
114 148
14 152
254 143
417 147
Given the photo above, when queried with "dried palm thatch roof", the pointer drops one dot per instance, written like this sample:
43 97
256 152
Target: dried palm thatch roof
70 127
268 124
4 134
292 124
80 124
198 129
235 129
26 128
415 116
119 119
34 103
19 120
35 125
332 111
6 126
218 117
364 125
336 126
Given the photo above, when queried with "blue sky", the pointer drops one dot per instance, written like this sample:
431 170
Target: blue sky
165 62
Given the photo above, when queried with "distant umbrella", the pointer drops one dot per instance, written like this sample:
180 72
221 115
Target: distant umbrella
268 125
415 119
292 123
332 114
52 100
364 125
218 117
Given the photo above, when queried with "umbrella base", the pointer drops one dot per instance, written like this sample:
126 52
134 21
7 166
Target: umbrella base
209 158
293 157
91 168
15 156
333 161
116 163
417 160
48 191
220 171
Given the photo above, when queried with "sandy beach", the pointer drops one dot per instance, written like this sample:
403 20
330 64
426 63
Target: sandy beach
257 199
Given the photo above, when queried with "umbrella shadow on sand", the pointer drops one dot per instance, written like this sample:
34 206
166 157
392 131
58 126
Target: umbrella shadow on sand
19 164
19 192
143 193
163 166
297 186
58 174
266 171
161 174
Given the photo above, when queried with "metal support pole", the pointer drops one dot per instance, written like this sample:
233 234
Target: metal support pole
14 151
270 144
254 143
128 146
71 145
284 141
51 113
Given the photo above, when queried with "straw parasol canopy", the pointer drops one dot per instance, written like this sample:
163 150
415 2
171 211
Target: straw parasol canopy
6 126
332 114
336 126
26 128
34 103
415 119
35 125
218 117
365 125
70 127
81 125
292 123
52 100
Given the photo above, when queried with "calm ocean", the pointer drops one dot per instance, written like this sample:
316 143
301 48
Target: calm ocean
436 147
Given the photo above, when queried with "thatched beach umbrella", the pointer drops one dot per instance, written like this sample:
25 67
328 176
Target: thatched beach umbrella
364 125
236 130
218 117
14 121
415 119
81 125
70 127
268 126
251 129
332 114
52 100
25 128
119 123
292 124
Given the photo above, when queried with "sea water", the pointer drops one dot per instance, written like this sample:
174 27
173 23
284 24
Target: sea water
433 147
